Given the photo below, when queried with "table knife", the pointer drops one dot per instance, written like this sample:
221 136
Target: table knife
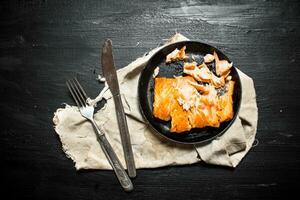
110 74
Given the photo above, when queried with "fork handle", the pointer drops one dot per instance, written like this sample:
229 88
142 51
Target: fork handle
113 159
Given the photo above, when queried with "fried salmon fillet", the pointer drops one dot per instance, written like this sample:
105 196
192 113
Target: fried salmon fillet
179 100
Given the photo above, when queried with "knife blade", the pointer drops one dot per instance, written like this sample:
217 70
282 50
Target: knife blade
110 74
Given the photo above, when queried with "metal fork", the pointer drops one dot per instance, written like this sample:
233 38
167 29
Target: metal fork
87 111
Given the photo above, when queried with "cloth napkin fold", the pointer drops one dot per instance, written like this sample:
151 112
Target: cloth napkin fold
150 150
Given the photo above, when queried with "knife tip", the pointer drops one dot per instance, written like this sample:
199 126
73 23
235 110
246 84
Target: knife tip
108 42
107 46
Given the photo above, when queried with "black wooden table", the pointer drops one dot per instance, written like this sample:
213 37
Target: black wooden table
42 43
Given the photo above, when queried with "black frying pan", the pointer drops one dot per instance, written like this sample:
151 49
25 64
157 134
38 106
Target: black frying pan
146 91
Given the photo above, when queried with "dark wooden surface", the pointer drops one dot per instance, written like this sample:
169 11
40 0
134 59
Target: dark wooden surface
42 43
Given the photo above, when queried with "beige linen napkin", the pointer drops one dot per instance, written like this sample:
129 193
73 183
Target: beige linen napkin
150 150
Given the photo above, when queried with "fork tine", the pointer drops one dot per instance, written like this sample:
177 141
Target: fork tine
83 100
81 88
77 95
72 93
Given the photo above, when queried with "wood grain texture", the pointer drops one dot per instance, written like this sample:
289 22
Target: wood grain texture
42 43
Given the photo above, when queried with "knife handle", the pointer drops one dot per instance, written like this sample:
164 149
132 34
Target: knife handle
125 137
113 159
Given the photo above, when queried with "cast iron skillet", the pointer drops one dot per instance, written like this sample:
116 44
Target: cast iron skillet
146 92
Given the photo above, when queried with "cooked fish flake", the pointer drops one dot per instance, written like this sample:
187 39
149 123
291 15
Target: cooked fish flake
208 58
